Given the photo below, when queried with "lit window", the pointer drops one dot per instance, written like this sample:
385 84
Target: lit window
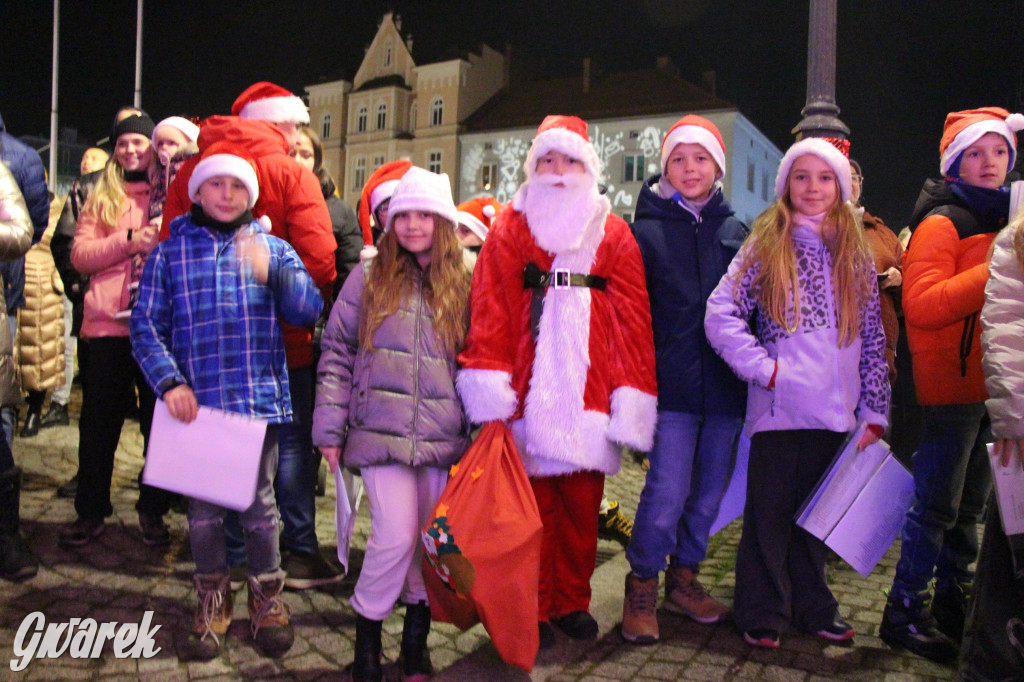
359 172
382 116
434 162
633 169
325 126
361 120
488 176
436 111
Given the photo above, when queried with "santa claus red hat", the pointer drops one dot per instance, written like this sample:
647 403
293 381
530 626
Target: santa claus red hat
226 158
964 128
186 127
476 214
421 190
566 134
824 150
694 129
380 186
265 101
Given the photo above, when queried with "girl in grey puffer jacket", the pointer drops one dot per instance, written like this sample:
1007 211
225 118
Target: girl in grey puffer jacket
386 404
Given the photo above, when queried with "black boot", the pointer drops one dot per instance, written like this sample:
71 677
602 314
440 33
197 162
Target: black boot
31 426
949 606
415 659
57 415
16 561
366 666
907 621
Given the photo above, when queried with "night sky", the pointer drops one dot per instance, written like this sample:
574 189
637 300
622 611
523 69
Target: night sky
902 65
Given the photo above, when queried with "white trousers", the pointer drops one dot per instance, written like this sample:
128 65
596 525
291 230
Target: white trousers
401 500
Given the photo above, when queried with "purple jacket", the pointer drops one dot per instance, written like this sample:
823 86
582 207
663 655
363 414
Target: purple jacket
819 385
396 403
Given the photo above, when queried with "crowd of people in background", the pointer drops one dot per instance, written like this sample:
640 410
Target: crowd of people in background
215 265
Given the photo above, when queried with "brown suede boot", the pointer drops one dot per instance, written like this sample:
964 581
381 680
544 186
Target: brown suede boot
684 594
639 610
211 620
268 614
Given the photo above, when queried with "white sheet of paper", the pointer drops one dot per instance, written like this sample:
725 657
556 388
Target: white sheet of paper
735 497
1008 482
875 519
216 458
350 492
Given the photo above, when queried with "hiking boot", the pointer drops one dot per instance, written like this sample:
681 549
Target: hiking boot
686 595
612 524
640 610
81 532
211 620
366 665
154 530
949 607
57 415
309 570
577 624
268 615
414 659
16 561
908 622
69 489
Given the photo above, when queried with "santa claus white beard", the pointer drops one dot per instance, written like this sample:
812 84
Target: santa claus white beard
558 209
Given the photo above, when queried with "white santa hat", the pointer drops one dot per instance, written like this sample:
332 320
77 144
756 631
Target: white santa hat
824 150
566 134
694 130
421 190
964 128
183 125
226 158
476 214
265 101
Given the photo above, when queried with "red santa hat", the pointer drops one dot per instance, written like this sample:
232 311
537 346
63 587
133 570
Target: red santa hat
566 134
421 190
824 150
380 186
226 158
964 128
694 130
186 127
265 101
476 214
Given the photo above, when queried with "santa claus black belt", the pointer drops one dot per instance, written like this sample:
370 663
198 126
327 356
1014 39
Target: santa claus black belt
560 278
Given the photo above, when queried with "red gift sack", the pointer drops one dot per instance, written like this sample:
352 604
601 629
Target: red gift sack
482 558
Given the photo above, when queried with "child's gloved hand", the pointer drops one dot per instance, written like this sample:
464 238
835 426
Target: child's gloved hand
332 455
254 255
181 403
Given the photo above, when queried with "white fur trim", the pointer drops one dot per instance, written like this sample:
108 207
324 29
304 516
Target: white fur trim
693 134
183 125
381 192
368 252
816 146
972 134
634 416
486 394
473 223
225 164
265 223
289 109
564 141
592 452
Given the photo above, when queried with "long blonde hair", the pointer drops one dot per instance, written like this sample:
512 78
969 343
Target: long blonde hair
445 286
104 202
770 248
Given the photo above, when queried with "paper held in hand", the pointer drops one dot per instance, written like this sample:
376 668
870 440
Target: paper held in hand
216 458
1008 482
859 505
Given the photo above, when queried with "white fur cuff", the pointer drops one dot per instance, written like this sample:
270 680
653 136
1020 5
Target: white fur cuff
486 394
634 416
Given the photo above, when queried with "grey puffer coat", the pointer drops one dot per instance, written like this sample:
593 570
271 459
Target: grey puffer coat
1002 339
396 403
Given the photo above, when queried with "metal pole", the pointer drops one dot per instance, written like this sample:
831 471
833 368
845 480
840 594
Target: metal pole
53 98
820 114
138 57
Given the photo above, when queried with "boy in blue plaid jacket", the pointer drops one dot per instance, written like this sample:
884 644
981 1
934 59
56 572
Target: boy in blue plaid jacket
205 331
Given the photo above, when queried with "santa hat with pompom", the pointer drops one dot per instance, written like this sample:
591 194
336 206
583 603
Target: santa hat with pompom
566 134
380 186
964 128
265 101
476 214
824 149
694 129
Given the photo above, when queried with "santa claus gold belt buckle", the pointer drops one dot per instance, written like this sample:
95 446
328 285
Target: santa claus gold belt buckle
561 278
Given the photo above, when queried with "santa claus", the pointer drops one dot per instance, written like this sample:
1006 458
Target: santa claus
560 346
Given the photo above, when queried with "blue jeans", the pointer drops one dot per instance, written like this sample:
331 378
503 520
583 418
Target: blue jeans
690 465
952 480
296 476
206 523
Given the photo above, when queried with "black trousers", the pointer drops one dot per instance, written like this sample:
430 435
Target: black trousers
780 567
109 377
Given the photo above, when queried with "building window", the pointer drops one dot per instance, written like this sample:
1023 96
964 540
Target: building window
378 161
387 56
766 181
325 126
382 116
436 111
434 162
488 176
412 116
359 172
628 217
361 120
633 170
750 175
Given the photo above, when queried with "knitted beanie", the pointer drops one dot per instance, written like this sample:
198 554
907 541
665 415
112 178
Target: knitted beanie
421 190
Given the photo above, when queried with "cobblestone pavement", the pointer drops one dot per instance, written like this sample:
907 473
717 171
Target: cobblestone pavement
117 578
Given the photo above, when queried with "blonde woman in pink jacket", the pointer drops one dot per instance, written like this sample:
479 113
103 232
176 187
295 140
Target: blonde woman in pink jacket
112 238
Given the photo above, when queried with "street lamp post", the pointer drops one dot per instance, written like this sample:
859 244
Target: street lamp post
821 114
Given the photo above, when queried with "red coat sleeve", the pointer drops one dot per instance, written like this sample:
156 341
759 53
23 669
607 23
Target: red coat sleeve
178 201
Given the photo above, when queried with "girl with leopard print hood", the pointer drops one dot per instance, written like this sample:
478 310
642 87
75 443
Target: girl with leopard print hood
797 317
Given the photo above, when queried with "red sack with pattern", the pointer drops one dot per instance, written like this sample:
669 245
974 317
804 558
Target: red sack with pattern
482 548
